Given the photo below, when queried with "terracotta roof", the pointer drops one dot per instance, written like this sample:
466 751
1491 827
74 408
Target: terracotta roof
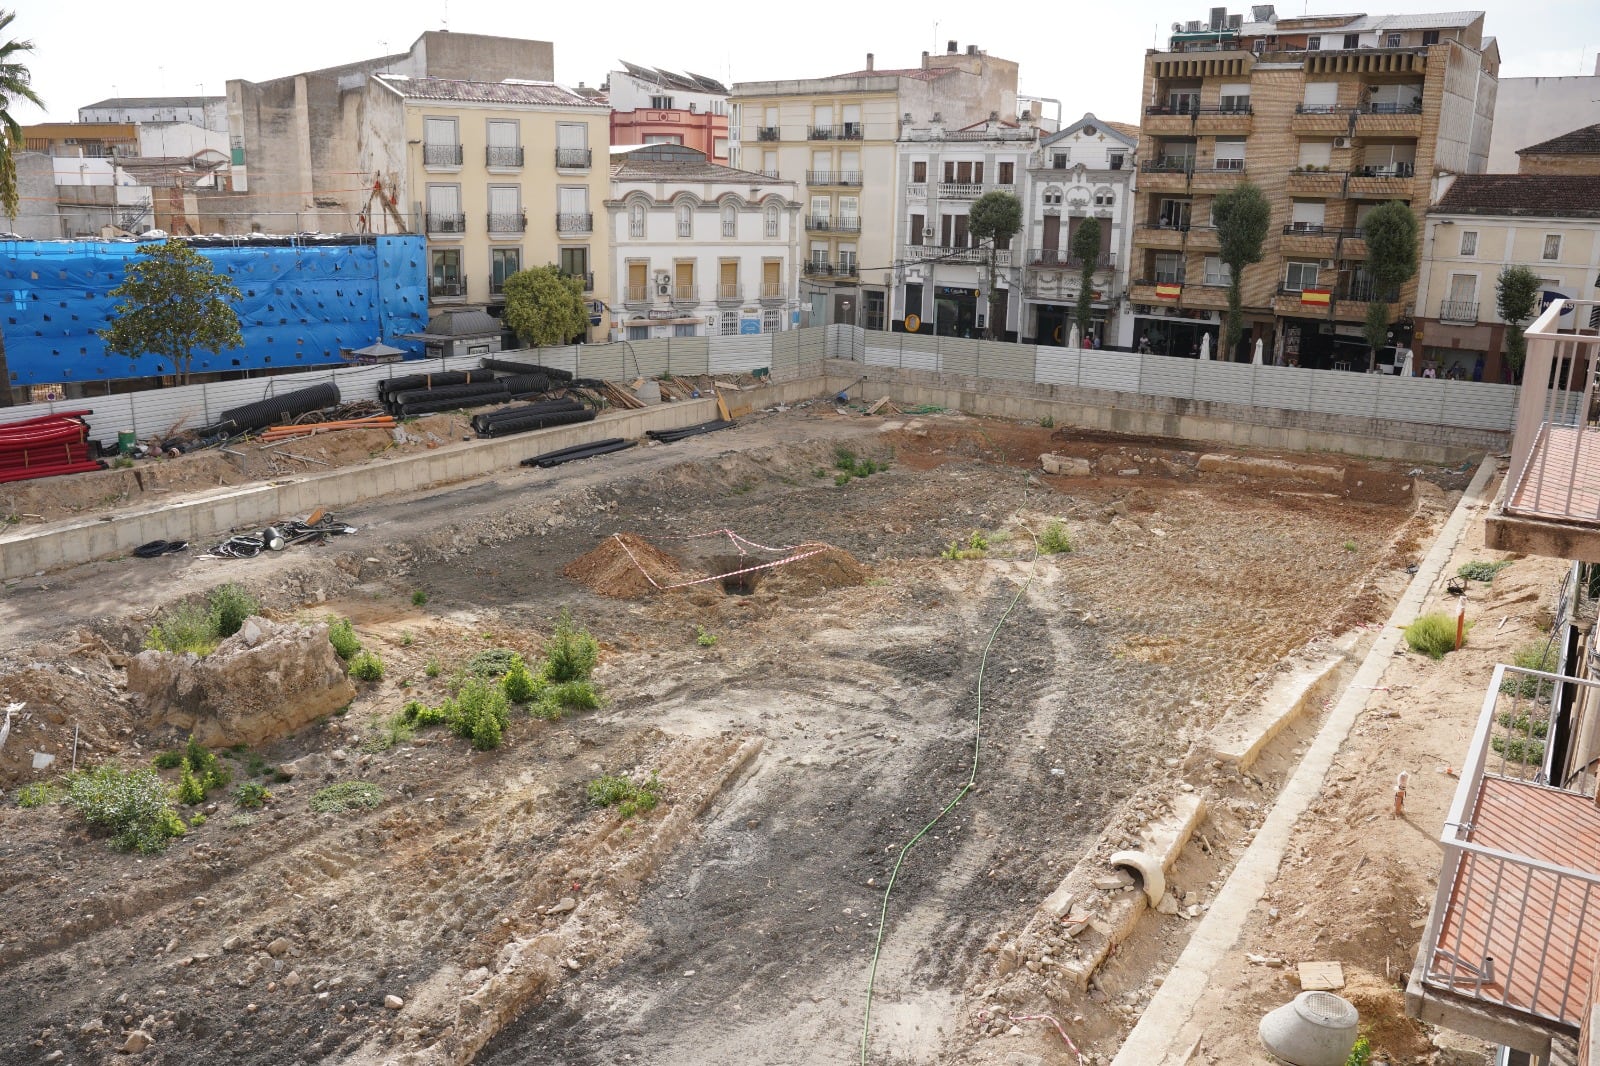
1582 141
538 93
1534 195
631 167
1127 129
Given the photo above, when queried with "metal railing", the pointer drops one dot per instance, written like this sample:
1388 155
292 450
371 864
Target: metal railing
730 290
1385 170
767 133
573 158
850 131
1230 164
571 222
1063 259
819 133
507 223
441 155
685 292
1392 109
638 294
1181 108
502 155
1322 109
1168 164
448 288
1365 292
833 177
952 254
828 224
1502 926
1162 278
1463 311
771 291
497 286
818 268
1556 423
439 223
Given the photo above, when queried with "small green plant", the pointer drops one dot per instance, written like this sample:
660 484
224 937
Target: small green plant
230 605
190 790
819 472
169 760
346 796
366 667
976 548
407 639
704 637
1434 634
241 821
1349 545
38 794
519 685
1539 655
628 796
433 669
419 598
1360 1054
496 662
395 730
849 465
342 635
479 712
1478 570
1055 540
133 805
188 627
556 699
1047 422
251 795
197 820
1526 750
571 654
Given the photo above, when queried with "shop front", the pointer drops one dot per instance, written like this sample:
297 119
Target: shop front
1172 335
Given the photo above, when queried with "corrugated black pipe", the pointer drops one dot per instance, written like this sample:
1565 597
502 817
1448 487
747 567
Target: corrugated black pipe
605 447
275 409
507 427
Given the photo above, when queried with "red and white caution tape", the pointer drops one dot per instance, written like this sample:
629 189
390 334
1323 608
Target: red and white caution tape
817 548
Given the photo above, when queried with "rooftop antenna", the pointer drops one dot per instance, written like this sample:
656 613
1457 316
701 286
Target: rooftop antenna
446 23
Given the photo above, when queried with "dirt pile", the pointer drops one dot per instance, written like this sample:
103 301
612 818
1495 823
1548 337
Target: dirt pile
618 568
265 681
832 568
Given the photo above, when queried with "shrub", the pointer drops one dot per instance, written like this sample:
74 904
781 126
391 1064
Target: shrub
366 667
519 684
251 794
169 760
241 821
1434 635
1526 750
230 606
345 796
418 598
1538 655
1047 422
1360 1054
190 790
496 662
482 713
571 653
188 627
197 821
1055 540
977 547
132 804
555 700
342 635
1478 570
851 466
704 637
433 669
38 794
629 797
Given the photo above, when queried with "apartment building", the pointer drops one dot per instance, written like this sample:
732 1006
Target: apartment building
1086 170
207 112
497 175
653 106
943 284
700 249
1330 116
1482 224
1573 152
839 137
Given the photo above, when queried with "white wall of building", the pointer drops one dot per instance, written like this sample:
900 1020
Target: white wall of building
1530 110
165 139
631 93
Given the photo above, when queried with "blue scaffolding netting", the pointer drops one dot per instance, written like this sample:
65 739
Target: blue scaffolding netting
303 301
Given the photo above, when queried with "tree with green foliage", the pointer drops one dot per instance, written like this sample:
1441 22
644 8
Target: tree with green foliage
1242 215
1391 232
1516 294
15 85
173 303
995 217
545 306
1086 250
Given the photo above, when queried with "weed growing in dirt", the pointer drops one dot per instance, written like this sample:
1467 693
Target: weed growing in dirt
479 712
251 794
850 466
977 547
571 653
433 669
366 667
1478 570
1360 1054
1539 655
1528 751
198 771
201 627
496 662
190 790
1434 635
342 635
346 796
132 804
419 598
1349 545
629 797
38 794
230 604
197 821
241 821
704 637
1055 540
1047 422
407 639
169 760
519 685
556 699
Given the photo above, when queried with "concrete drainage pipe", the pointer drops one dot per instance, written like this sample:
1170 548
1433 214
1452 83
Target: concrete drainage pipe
1148 869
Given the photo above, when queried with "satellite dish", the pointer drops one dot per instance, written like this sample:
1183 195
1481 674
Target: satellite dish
1177 27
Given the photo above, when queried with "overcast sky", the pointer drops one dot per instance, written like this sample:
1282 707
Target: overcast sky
93 49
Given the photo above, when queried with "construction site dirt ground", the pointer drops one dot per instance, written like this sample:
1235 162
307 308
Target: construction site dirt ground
804 721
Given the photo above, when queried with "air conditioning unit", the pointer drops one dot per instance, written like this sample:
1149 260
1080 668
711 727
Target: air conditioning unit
1341 142
663 288
1326 264
927 233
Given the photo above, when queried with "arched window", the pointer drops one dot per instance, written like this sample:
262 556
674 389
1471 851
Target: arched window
772 220
636 219
730 219
685 220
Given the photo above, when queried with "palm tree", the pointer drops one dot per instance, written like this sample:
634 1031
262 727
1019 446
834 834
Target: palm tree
15 84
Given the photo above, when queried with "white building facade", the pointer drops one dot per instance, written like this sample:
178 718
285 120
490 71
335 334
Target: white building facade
943 283
700 249
1086 170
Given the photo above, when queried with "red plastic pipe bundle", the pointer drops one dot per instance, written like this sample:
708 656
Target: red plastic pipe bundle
45 446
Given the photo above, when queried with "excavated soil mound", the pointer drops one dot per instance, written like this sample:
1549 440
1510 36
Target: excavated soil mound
834 568
610 571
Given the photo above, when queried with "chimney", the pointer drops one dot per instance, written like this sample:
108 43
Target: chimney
951 49
972 49
869 60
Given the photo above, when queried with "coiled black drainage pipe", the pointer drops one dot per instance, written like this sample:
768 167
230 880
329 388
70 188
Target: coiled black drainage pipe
274 409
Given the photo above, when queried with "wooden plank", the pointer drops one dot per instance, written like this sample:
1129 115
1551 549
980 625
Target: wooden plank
1321 976
877 405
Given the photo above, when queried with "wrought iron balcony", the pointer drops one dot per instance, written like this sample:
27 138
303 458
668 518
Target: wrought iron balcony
1063 259
639 293
442 223
587 278
1169 164
833 177
1182 107
828 224
1392 109
730 290
502 223
850 131
767 133
685 292
819 133
771 291
447 288
502 155
818 268
1385 170
441 155
568 222
1464 312
573 158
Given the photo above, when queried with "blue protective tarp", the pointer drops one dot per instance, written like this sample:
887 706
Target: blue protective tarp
301 303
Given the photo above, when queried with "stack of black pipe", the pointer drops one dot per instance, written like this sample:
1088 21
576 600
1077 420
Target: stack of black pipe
669 436
421 394
557 376
579 451
526 417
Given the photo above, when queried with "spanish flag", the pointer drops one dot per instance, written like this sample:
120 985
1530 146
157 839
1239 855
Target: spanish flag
1168 292
1316 297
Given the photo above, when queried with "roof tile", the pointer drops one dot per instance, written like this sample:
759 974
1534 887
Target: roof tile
1582 141
1532 195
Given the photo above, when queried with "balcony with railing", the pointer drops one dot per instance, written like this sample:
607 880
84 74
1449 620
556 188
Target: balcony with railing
447 288
1231 118
767 133
1167 173
1380 181
821 133
1310 239
829 224
1333 120
1160 235
945 253
573 158
818 268
1317 182
1550 502
1459 312
639 294
445 224
1063 259
1509 947
441 155
502 157
847 178
960 190
1163 119
1218 174
1163 289
1380 119
729 292
574 222
771 290
685 292
507 224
